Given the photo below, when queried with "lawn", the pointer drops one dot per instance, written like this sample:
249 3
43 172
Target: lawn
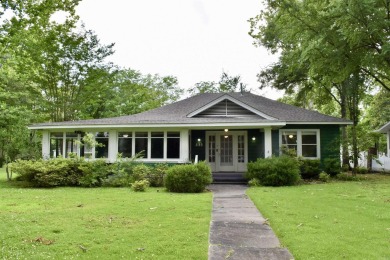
105 223
338 220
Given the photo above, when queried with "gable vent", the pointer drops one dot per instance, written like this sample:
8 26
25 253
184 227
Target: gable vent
227 108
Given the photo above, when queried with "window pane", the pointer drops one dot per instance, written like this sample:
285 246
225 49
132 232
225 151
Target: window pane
174 134
241 149
125 147
157 134
141 145
125 134
173 148
101 151
55 147
212 148
157 151
289 138
309 150
309 138
141 134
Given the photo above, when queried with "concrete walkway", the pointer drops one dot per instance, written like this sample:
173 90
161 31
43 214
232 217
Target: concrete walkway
238 230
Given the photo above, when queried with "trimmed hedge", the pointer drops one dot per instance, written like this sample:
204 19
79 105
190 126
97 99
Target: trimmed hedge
188 178
275 171
310 168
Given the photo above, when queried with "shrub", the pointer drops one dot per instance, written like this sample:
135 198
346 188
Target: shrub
310 169
93 173
52 173
140 172
254 183
346 177
275 171
188 178
332 166
140 185
361 170
324 177
156 176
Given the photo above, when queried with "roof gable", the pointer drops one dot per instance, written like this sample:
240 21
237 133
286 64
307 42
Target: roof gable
227 106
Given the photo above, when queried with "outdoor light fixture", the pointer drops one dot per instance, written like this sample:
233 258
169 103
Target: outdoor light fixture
125 136
254 139
199 143
226 130
226 136
290 136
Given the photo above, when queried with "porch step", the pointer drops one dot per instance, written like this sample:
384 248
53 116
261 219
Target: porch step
229 178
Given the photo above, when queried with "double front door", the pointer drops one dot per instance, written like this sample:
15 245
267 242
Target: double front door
227 151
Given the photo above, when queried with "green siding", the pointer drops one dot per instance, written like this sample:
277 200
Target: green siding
198 150
255 148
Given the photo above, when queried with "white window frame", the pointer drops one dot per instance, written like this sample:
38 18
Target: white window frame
147 157
299 140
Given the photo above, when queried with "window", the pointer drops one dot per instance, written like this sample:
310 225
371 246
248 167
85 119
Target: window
71 144
157 145
309 144
101 149
173 145
241 148
304 142
56 144
141 143
125 144
212 148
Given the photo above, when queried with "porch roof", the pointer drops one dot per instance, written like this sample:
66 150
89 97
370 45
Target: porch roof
384 129
183 114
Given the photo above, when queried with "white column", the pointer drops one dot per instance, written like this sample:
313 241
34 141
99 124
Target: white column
267 142
45 144
184 145
112 145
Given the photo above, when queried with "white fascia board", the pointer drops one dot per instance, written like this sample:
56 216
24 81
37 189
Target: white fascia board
384 129
319 123
190 125
237 102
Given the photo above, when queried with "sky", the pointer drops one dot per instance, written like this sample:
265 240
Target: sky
194 40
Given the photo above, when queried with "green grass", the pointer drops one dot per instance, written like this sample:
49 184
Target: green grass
105 223
338 220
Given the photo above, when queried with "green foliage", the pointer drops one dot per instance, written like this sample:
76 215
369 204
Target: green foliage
275 171
310 169
347 177
57 172
156 176
324 177
361 170
140 185
140 172
188 178
254 183
332 166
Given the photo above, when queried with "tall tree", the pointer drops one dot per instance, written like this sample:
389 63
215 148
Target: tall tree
328 45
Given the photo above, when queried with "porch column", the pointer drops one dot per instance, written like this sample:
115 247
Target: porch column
184 145
267 142
45 144
112 145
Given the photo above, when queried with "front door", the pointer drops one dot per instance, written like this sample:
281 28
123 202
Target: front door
226 151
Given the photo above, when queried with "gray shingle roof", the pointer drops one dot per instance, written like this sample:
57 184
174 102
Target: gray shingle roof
177 113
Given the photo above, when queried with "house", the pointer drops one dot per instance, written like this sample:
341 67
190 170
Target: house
226 129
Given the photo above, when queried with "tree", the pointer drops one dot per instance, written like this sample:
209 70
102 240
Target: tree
327 47
126 92
225 84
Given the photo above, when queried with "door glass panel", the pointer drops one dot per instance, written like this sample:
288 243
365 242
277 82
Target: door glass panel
241 149
212 148
226 150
